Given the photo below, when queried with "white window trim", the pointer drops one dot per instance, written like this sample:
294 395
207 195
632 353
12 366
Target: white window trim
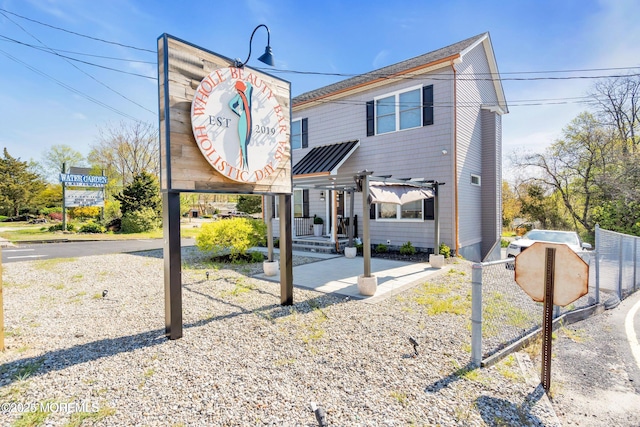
396 94
292 122
398 213
478 178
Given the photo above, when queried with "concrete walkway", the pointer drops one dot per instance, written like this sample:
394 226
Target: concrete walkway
336 274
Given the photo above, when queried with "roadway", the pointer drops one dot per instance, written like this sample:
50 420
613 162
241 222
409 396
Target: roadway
74 249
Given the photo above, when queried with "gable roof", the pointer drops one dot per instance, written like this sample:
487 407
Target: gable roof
440 57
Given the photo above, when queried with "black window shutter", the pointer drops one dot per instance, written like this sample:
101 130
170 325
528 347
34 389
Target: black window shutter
305 133
305 203
371 129
429 209
372 211
427 105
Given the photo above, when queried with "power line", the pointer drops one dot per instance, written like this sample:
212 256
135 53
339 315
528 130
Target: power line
137 61
66 86
54 52
78 34
383 75
79 69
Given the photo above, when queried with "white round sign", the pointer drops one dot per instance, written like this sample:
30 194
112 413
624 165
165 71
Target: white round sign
238 124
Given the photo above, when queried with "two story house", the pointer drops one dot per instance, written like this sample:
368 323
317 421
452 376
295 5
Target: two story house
436 117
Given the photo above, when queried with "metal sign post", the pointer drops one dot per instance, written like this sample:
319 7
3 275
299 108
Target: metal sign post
572 275
547 323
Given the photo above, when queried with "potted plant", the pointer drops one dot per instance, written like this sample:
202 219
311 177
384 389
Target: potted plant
352 251
317 226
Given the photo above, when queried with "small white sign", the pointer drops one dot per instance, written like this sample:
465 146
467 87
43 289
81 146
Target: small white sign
80 198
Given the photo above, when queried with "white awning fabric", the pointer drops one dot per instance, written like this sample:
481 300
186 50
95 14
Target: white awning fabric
397 193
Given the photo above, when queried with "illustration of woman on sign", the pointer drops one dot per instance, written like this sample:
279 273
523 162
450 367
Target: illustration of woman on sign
241 105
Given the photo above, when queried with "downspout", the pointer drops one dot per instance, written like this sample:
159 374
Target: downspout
455 160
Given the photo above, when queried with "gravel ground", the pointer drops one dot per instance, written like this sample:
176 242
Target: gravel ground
244 359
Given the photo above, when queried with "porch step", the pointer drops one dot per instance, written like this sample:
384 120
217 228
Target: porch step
321 245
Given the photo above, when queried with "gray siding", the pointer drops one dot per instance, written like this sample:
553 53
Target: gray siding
473 91
491 181
417 153
413 153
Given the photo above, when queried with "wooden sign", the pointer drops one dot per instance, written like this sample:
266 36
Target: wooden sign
222 128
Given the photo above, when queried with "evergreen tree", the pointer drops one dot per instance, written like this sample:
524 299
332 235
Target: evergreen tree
19 184
143 192
249 204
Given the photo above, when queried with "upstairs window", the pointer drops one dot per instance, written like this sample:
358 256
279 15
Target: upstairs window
402 110
299 134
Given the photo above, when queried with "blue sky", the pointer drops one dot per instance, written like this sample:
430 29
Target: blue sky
347 37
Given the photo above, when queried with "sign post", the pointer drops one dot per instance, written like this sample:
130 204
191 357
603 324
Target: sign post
565 279
547 323
224 128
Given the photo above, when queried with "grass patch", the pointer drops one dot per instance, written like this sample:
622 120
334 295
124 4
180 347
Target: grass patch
51 264
575 335
33 418
438 300
498 312
27 370
534 349
284 362
78 418
468 373
400 397
506 368
8 284
241 287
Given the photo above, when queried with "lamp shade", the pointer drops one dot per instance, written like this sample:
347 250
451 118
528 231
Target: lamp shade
267 56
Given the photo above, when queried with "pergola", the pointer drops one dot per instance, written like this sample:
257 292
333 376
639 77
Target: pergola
379 189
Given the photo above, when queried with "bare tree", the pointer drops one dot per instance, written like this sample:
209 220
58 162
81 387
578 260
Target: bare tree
126 150
574 167
617 101
56 156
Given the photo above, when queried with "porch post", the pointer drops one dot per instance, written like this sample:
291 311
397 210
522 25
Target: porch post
436 217
366 240
268 214
350 227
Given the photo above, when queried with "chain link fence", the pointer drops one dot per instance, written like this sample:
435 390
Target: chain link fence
618 267
503 315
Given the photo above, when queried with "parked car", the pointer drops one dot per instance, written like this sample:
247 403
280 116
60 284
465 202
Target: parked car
570 238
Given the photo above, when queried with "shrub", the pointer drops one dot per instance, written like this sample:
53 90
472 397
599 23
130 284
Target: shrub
445 250
504 243
257 256
407 249
236 235
317 220
91 227
381 248
48 211
84 212
58 227
55 216
2 218
144 219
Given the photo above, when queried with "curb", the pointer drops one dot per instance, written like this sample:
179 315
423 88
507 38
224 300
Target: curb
532 380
